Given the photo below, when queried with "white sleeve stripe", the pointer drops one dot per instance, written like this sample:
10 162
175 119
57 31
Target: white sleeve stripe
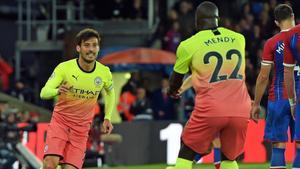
266 64
267 61
289 65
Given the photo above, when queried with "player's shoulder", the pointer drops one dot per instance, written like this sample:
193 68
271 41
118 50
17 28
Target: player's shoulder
275 38
67 64
101 67
295 29
269 41
190 44
187 41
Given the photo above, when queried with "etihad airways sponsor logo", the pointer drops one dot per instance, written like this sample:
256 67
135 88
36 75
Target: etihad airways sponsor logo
85 92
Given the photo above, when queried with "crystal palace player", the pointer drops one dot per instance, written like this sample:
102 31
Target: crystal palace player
279 116
291 79
77 82
216 57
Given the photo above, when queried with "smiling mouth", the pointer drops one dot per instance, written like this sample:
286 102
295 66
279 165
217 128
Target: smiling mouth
90 55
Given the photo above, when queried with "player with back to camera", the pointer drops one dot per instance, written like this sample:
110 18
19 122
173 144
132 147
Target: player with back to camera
216 57
187 84
291 80
279 116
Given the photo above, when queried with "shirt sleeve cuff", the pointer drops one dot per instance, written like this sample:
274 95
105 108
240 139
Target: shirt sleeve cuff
288 65
266 62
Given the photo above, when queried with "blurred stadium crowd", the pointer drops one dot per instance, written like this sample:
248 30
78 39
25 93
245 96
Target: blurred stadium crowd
253 18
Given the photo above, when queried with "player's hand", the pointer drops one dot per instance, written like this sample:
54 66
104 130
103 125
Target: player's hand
63 88
293 107
174 95
107 126
255 110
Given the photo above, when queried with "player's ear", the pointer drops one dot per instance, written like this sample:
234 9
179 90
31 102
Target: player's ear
77 48
277 23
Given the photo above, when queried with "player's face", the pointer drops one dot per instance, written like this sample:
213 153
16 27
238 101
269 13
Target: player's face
88 50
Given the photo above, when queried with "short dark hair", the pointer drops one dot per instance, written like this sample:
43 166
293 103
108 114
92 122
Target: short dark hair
86 34
283 12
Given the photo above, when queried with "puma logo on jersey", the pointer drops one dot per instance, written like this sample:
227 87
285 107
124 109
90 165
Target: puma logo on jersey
75 77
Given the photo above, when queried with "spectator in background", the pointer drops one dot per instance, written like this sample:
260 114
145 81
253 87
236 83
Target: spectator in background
108 9
172 17
251 75
126 100
141 108
132 83
265 25
173 37
227 23
29 117
162 104
128 97
95 147
3 107
136 10
253 47
5 71
246 9
22 92
117 9
186 18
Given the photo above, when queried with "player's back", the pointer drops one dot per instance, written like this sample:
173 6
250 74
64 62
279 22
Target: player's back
218 73
273 53
292 53
293 42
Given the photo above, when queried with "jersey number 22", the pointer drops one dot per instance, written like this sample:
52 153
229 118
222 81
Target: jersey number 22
215 76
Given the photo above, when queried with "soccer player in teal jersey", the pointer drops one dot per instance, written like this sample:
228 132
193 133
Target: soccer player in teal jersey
77 83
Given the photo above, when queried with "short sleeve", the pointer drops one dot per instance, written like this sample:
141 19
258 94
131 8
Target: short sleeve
183 60
289 60
267 56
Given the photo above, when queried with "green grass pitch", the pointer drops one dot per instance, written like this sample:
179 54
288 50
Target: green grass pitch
242 166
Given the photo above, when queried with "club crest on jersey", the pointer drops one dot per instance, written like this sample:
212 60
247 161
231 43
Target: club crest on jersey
97 81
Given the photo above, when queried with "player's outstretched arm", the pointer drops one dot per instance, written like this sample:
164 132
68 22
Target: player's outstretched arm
261 85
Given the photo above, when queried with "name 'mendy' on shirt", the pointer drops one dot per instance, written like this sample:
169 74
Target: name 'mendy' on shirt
219 40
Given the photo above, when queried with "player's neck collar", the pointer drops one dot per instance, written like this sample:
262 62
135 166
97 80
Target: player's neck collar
77 61
285 30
